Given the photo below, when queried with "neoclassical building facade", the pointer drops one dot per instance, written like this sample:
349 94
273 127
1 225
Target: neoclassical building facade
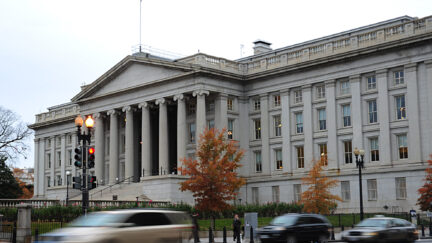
368 88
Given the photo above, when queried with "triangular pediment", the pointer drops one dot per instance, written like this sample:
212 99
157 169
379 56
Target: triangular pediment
132 72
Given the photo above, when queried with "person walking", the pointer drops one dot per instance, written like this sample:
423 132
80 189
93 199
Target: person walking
236 228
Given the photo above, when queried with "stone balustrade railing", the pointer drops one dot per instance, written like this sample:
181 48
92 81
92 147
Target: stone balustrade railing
315 50
56 113
12 203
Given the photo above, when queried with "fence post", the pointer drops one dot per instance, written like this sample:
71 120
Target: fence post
251 235
342 228
353 219
430 229
14 233
332 233
224 235
36 234
422 228
23 233
210 235
339 217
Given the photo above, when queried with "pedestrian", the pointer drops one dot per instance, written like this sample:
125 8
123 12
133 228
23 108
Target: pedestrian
236 228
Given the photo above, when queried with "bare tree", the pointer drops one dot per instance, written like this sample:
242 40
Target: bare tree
13 135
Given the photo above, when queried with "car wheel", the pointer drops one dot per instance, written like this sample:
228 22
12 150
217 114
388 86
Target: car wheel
322 239
291 239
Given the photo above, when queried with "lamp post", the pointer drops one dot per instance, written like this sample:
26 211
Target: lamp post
360 166
84 138
67 187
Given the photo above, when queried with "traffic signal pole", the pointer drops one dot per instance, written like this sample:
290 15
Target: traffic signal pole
84 138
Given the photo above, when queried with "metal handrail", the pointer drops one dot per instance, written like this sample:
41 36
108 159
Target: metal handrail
109 186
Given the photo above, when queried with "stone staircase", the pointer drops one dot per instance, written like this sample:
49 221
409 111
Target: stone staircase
125 191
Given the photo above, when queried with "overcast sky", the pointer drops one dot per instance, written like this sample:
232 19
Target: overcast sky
49 48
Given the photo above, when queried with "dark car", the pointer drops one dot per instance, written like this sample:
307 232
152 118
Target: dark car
382 229
293 228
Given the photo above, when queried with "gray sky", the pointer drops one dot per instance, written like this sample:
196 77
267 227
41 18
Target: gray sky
49 48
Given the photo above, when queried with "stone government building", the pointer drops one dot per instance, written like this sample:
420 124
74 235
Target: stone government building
369 88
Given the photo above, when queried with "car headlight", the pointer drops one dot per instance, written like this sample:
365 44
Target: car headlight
279 228
370 233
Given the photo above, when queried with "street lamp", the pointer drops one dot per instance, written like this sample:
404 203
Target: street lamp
67 187
360 166
85 138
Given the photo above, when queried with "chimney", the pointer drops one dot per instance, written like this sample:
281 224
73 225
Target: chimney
261 46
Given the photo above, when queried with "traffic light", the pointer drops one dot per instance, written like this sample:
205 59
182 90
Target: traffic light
78 157
91 157
76 182
91 182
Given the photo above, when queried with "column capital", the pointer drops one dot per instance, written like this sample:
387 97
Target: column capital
127 108
200 92
144 104
428 63
112 112
223 95
97 115
160 101
411 67
178 97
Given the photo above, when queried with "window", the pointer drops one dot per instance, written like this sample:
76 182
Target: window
192 132
278 153
230 104
69 139
278 125
210 106
275 194
257 125
123 144
49 160
59 158
373 114
371 82
374 149
230 128
346 110
345 87
191 109
49 143
59 180
322 119
403 146
257 104
48 181
210 124
70 156
255 196
400 107
345 189
320 91
299 123
297 192
276 100
300 157
323 152
372 189
398 77
298 96
401 192
258 161
348 152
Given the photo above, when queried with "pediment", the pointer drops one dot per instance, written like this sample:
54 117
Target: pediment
129 74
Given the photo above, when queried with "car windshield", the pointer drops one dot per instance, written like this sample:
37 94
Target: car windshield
284 220
373 223
99 220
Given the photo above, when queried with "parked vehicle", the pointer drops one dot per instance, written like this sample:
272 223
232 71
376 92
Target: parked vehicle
382 229
137 225
293 228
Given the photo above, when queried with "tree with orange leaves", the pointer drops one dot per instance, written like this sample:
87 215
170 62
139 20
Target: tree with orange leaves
213 177
425 199
317 198
27 190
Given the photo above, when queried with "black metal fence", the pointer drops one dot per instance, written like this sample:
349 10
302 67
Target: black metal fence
7 232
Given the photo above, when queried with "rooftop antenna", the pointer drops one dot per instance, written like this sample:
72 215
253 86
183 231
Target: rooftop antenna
140 44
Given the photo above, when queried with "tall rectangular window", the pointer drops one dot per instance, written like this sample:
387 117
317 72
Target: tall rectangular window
59 180
278 125
345 189
257 128
372 189
278 153
276 100
210 124
70 157
348 152
257 104
298 98
49 160
258 161
345 87
320 91
230 104
401 192
374 149
403 146
400 107
299 123
322 119
48 181
255 196
230 128
300 157
191 109
371 82
192 132
297 192
373 112
275 194
323 152
398 77
59 158
346 112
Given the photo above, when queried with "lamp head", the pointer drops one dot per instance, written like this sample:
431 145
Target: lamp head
356 151
362 152
79 121
89 122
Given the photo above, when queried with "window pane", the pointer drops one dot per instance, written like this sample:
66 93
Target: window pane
403 146
299 123
372 189
300 157
346 111
322 119
348 152
373 115
400 107
278 159
345 189
258 162
401 188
